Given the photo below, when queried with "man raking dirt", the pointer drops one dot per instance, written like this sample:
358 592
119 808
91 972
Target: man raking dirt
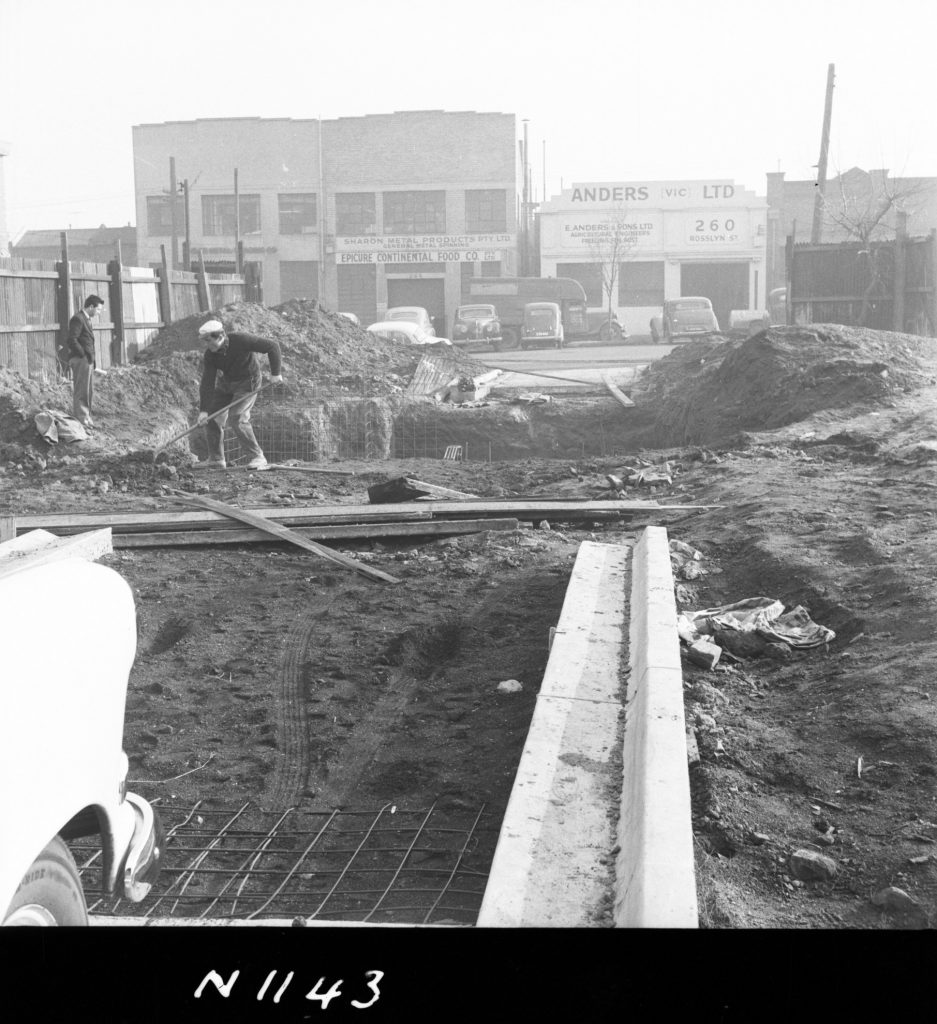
231 374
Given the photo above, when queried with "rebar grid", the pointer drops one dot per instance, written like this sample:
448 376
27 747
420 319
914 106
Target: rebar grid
387 865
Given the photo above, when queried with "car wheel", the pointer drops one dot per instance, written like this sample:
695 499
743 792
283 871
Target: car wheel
50 893
509 338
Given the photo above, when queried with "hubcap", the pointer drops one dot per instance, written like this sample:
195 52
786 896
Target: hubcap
32 914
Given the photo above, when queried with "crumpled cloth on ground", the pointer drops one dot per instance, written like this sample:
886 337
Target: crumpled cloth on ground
57 426
762 615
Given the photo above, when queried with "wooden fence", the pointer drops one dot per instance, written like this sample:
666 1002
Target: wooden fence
887 285
38 297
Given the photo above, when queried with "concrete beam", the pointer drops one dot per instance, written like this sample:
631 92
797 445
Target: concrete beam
553 865
655 872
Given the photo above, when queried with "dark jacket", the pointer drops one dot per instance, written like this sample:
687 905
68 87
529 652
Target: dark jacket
238 364
81 337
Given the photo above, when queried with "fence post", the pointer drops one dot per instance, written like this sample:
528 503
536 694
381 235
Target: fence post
167 314
65 299
204 292
116 270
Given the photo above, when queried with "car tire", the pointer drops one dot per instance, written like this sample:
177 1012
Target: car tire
610 332
509 338
50 893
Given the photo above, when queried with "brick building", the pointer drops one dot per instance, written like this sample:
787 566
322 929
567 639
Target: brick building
855 194
360 212
91 245
4 229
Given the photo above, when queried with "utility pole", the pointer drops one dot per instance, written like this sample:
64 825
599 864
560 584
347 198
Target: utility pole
173 187
323 221
525 205
237 225
187 244
821 165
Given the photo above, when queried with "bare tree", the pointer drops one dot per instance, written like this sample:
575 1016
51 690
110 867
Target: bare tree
610 244
867 206
863 204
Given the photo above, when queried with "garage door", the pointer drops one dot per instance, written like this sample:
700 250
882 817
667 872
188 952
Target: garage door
430 293
724 284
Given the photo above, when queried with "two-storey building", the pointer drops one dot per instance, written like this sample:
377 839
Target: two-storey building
361 213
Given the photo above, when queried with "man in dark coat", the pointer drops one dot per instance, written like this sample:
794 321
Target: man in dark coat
81 359
231 370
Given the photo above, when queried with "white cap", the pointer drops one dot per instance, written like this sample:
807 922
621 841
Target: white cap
210 326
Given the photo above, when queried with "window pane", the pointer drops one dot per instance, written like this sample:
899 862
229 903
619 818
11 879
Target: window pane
641 283
355 214
485 210
414 213
218 214
297 213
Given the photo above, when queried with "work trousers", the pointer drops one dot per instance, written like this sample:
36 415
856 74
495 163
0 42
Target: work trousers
82 388
241 421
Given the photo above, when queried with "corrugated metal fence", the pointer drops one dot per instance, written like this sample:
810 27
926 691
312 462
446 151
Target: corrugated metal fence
38 297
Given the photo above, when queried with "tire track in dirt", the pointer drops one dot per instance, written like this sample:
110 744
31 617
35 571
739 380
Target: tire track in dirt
292 770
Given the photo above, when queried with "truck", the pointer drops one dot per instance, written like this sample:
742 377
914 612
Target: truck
509 295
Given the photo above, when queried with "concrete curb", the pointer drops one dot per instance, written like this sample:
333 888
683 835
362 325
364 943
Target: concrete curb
655 873
553 865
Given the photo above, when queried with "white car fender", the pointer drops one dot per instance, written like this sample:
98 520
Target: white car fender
67 643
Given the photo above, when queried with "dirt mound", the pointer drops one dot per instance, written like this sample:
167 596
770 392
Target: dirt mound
316 344
707 392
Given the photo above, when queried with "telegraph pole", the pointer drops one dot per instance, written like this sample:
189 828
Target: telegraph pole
525 205
187 244
821 166
173 187
237 225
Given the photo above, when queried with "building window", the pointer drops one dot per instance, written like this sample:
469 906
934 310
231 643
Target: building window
357 291
641 283
297 213
485 210
589 275
218 214
299 279
355 213
158 215
414 213
491 268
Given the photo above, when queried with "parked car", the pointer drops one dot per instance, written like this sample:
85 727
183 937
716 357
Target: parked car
353 317
600 326
412 314
476 323
63 772
689 316
405 332
543 325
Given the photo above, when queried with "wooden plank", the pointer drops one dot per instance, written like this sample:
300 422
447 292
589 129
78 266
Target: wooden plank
425 528
405 488
125 522
86 545
311 515
21 328
29 273
262 523
7 528
616 392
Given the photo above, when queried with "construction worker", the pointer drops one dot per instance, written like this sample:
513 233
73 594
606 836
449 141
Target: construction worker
231 369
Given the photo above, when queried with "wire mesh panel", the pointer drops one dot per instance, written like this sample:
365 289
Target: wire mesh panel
390 865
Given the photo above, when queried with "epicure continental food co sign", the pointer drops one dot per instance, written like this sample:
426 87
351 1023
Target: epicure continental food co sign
423 248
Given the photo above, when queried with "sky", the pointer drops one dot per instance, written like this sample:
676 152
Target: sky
612 90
